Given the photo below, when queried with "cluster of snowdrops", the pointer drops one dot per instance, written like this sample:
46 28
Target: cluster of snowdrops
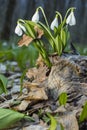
56 34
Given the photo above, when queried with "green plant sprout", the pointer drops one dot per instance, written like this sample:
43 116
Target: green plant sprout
56 34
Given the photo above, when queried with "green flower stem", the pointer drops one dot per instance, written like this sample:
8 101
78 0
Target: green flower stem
20 21
48 35
39 45
43 15
70 9
59 15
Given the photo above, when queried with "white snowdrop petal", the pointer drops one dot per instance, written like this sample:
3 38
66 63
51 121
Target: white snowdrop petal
68 19
71 19
18 30
35 17
22 27
54 23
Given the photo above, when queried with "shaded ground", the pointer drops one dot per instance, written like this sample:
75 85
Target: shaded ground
36 102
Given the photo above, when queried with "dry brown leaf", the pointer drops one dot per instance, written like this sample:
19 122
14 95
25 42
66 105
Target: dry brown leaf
35 92
30 86
5 104
37 74
22 107
69 121
31 73
39 61
39 32
25 40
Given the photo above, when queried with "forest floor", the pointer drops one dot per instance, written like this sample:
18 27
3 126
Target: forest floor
35 102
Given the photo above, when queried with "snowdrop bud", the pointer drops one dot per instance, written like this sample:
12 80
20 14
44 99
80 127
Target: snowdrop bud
22 27
54 23
18 30
71 19
35 17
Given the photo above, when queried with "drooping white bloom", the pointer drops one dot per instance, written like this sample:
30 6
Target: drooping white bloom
54 23
35 17
19 29
71 20
22 27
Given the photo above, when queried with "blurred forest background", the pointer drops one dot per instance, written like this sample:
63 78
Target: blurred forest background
12 10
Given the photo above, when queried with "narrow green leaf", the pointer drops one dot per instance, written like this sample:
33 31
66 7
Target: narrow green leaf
46 118
3 84
63 98
42 51
83 115
48 34
21 80
67 34
53 124
63 36
57 30
30 30
58 45
29 25
9 117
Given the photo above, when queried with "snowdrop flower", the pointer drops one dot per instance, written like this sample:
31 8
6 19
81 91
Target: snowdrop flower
19 29
71 19
22 27
35 17
54 23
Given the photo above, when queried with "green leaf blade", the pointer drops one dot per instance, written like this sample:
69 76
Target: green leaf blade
63 37
9 117
58 44
53 125
83 115
3 84
48 34
30 30
63 98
